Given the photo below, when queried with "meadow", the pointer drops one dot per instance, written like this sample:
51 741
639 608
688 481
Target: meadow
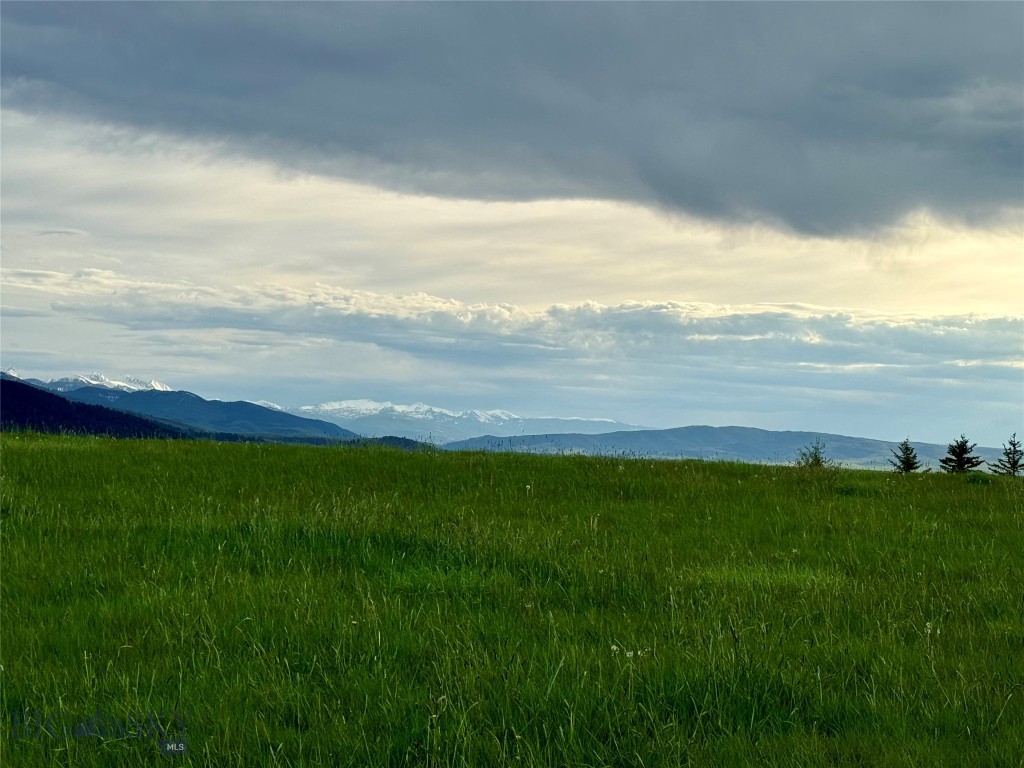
307 606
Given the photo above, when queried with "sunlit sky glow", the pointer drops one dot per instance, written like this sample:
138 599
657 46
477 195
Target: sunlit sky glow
473 207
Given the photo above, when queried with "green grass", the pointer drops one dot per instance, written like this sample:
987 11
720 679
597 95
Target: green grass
333 606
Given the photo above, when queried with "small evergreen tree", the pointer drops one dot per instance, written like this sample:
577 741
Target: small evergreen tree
905 458
1012 462
959 456
813 456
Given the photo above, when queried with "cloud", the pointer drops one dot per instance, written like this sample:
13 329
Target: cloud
828 118
152 205
60 233
420 325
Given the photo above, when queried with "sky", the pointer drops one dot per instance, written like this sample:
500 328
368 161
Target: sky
778 215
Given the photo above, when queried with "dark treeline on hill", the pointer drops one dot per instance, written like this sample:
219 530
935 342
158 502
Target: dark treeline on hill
29 407
190 410
23 406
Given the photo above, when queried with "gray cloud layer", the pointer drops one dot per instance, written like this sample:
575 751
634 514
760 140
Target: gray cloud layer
830 117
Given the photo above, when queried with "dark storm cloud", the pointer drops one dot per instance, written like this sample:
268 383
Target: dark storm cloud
828 117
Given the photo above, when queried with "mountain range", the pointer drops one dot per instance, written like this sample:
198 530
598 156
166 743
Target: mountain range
185 408
431 424
78 381
744 444
26 406
478 430
182 412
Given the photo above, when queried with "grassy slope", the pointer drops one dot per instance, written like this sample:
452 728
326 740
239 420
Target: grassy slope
334 606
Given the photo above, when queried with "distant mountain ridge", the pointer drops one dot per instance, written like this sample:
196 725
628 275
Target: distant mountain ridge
490 430
745 444
238 417
78 381
186 411
28 406
420 421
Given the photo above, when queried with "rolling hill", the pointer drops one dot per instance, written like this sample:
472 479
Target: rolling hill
187 409
25 406
744 444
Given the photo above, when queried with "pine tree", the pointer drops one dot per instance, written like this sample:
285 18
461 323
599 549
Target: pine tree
959 456
1012 462
813 456
906 458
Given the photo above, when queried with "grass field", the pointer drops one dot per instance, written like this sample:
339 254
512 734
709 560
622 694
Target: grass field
333 606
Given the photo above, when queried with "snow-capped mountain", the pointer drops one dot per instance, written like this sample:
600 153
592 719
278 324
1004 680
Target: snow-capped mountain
77 381
356 409
420 421
266 404
125 383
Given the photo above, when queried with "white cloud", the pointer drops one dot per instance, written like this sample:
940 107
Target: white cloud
147 206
